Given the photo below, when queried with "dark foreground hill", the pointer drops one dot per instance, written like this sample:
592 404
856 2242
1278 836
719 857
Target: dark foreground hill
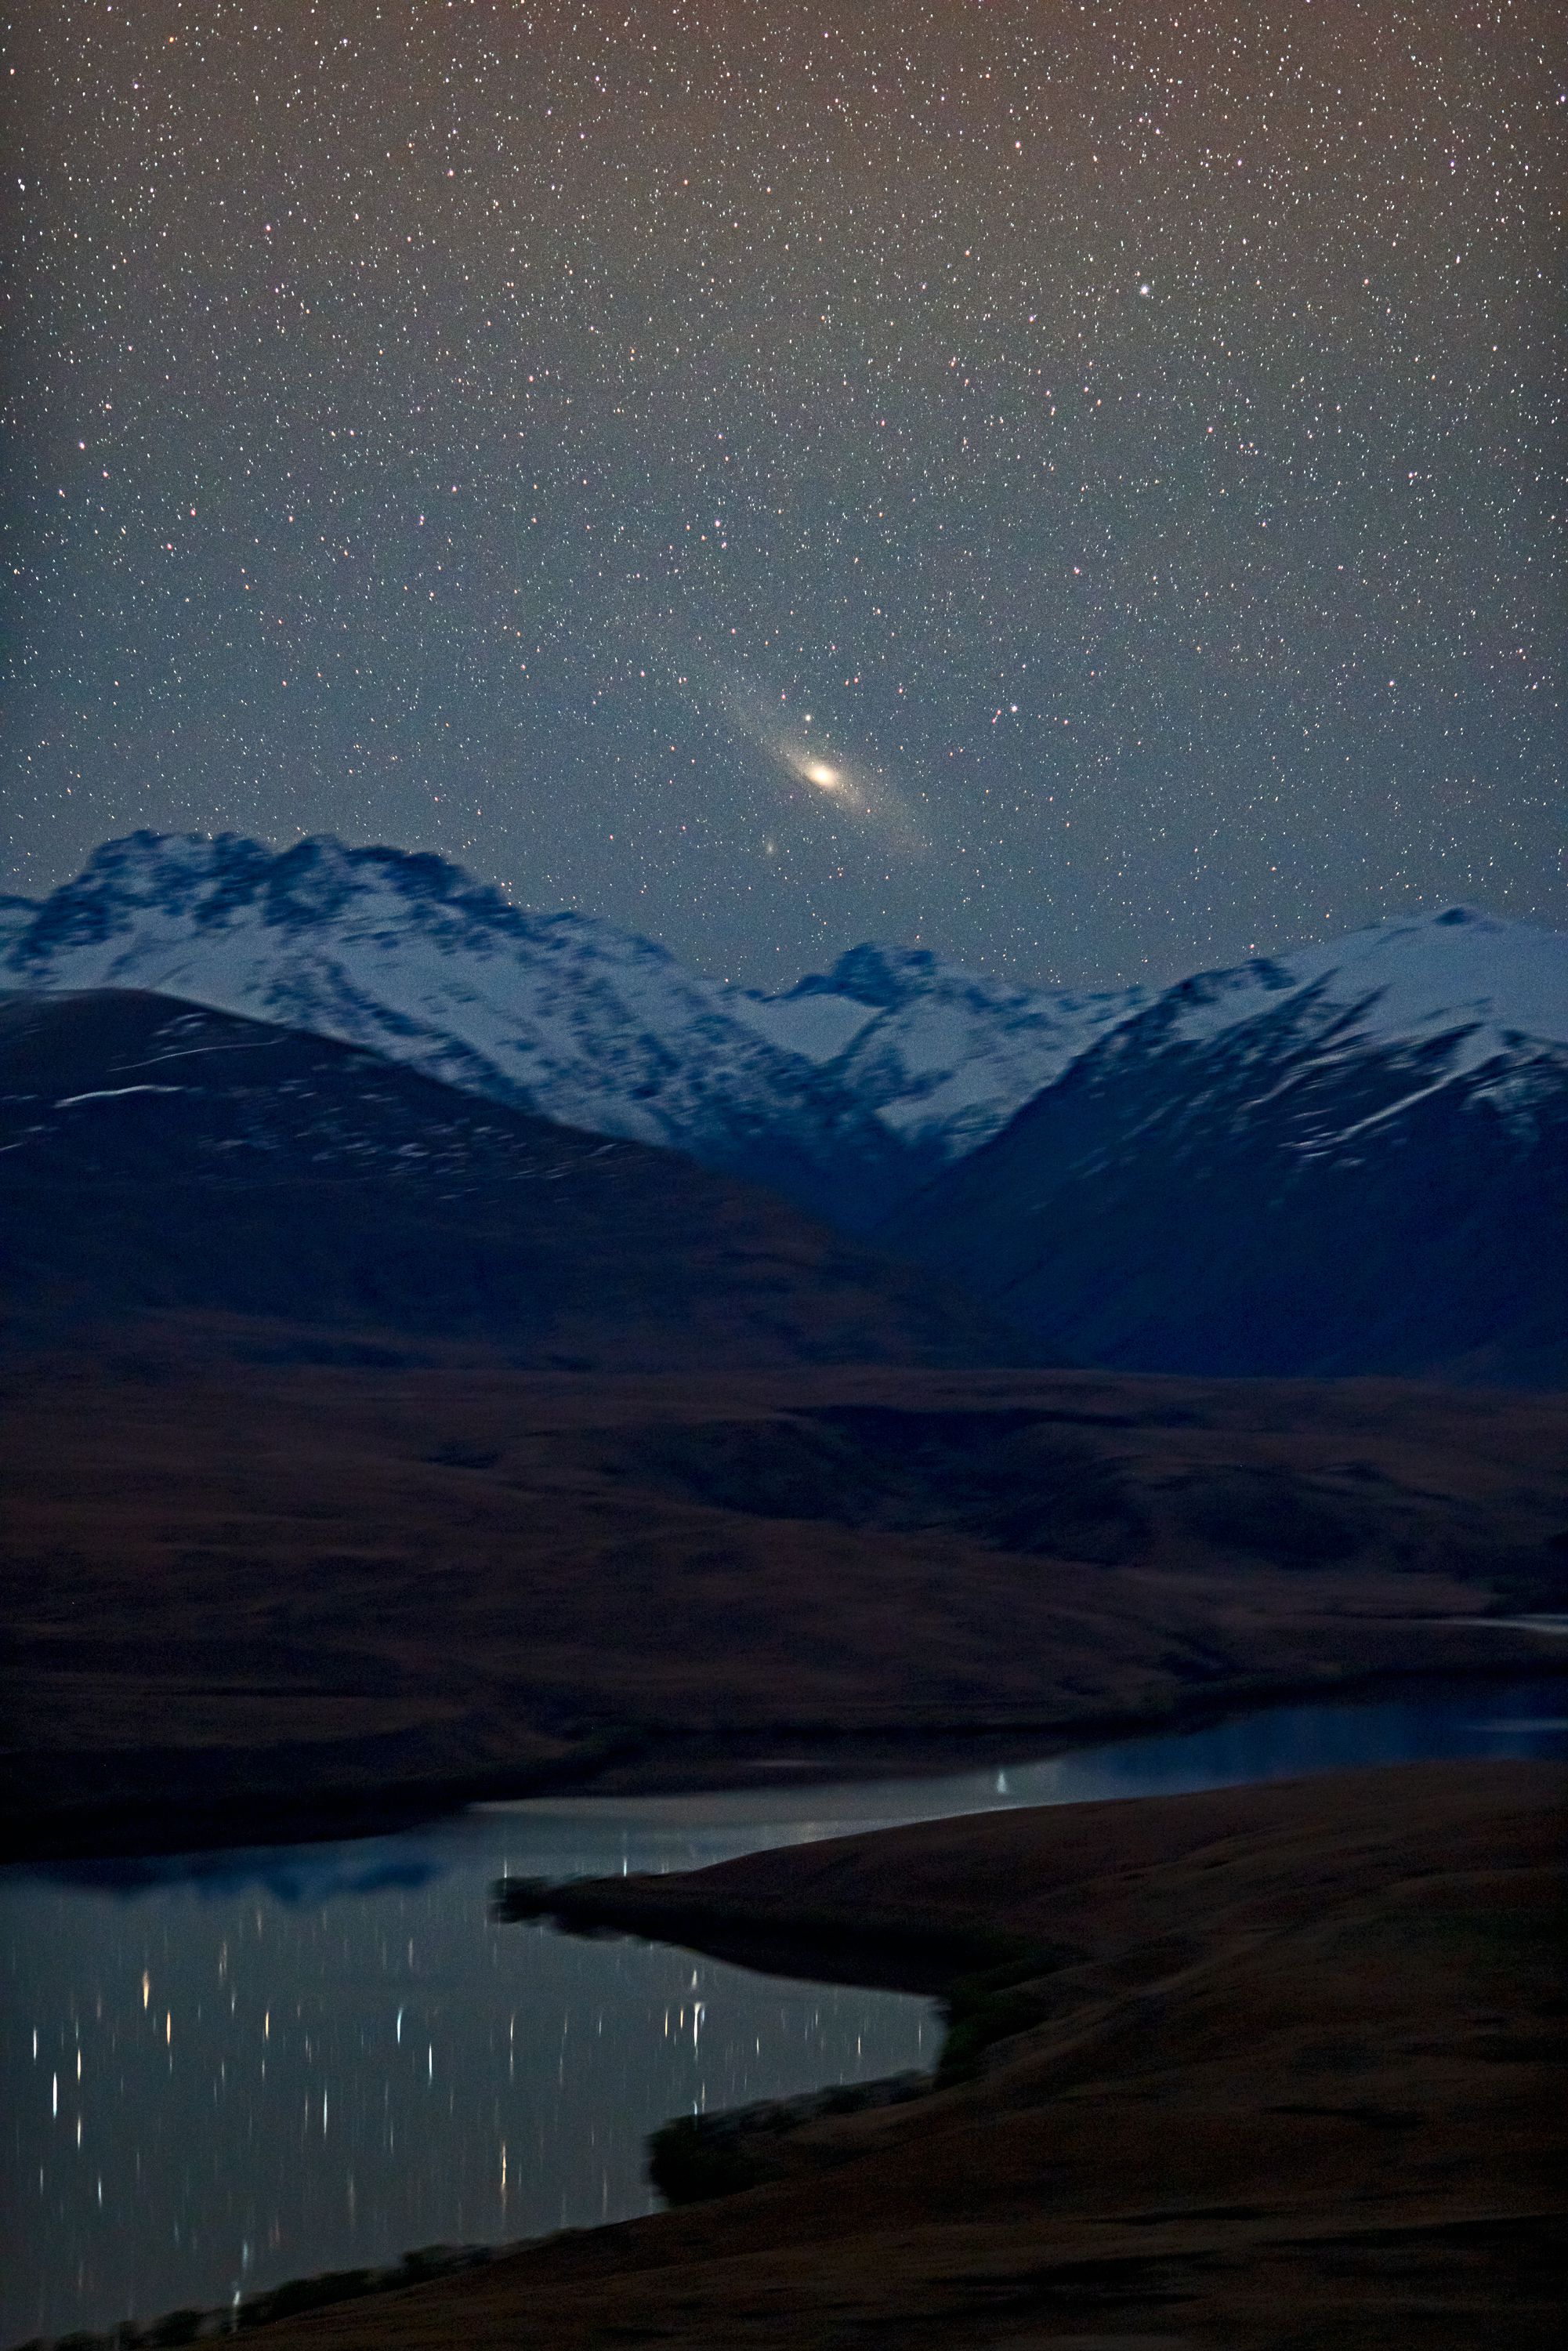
158 1157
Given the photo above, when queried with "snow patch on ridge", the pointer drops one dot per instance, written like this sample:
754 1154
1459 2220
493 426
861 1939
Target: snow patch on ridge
820 1027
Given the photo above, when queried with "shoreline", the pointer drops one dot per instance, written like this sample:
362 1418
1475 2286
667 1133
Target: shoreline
1167 1959
640 1763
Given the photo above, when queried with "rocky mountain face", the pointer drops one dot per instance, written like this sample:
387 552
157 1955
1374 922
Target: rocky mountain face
1351 1159
160 1159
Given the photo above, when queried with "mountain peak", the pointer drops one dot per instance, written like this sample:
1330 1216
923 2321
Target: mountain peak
312 880
875 974
224 881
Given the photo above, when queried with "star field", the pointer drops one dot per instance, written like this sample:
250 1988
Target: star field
1116 447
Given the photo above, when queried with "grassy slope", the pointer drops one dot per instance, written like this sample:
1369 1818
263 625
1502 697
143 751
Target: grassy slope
1291 2078
247 1587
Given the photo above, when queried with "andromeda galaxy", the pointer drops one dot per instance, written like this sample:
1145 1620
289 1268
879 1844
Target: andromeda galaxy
804 751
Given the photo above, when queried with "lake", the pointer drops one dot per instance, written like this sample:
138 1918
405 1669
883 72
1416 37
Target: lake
226 2069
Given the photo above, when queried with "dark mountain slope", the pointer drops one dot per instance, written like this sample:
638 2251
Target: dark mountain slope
1295 1193
159 1157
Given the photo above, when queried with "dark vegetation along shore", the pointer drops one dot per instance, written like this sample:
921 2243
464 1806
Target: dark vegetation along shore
252 1598
1276 2065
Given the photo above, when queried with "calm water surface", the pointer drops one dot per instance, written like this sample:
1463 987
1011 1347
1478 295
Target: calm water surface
228 2069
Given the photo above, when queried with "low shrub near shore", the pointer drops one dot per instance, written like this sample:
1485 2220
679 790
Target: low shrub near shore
981 2009
290 2300
698 2157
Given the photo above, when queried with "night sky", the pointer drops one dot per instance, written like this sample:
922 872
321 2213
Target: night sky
1070 484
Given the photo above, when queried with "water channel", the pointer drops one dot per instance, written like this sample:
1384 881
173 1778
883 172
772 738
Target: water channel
227 2069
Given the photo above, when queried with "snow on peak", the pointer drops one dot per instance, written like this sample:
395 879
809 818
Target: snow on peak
878 976
943 1055
1492 986
223 883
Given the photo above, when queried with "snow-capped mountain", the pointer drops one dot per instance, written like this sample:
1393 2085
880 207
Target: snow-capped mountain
1351 1159
559 1014
1491 990
942 1055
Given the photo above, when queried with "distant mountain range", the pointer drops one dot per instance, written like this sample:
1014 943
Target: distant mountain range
1353 1157
318 1203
